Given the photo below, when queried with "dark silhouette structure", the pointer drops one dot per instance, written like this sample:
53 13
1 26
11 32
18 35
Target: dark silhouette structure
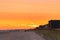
54 24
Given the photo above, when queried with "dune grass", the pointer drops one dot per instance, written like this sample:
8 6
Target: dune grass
50 34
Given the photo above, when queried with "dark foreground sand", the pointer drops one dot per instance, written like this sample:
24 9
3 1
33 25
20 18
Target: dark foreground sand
20 35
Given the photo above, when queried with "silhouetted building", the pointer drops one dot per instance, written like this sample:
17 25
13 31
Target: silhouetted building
54 24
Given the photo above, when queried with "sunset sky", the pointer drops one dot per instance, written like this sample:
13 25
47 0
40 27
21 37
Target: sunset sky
25 14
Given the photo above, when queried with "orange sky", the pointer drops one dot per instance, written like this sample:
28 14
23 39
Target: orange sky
27 13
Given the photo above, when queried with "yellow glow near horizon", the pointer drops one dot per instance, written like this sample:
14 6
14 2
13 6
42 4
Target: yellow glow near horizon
16 12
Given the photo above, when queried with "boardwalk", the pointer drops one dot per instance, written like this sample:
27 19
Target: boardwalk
21 35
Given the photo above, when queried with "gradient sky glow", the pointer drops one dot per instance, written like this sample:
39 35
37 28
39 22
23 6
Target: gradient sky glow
16 13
